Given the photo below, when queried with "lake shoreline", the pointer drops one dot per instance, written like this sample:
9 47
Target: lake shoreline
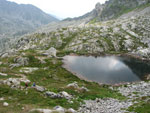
81 77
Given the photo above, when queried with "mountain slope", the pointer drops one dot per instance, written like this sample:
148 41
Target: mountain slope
16 20
38 58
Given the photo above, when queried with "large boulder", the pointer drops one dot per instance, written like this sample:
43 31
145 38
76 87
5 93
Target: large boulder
52 94
62 94
75 86
20 61
39 88
65 95
3 74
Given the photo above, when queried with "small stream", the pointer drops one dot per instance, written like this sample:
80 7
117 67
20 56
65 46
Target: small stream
108 69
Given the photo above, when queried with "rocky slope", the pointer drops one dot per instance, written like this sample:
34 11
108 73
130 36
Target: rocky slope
127 35
36 60
16 20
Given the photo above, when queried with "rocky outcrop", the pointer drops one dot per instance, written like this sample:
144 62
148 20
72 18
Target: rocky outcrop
20 61
62 94
75 87
51 52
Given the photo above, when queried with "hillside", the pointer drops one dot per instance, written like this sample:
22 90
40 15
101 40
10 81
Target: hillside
19 19
37 58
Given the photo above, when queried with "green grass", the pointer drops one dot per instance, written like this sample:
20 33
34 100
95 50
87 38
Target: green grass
55 79
143 105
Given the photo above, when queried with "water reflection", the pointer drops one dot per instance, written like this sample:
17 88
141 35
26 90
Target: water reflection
107 70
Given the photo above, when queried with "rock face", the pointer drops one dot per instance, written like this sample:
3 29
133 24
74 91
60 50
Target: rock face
114 8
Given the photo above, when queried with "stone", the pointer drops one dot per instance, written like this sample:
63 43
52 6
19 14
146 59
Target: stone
148 77
3 74
39 88
28 69
65 95
70 110
42 110
73 85
21 60
50 52
59 109
5 104
84 89
1 99
144 52
4 55
53 95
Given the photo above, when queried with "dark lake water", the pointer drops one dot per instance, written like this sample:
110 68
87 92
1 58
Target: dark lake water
108 69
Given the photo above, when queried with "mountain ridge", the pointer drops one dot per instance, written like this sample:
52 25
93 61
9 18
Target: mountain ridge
18 19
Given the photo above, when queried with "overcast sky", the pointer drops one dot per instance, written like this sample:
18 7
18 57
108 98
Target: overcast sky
63 8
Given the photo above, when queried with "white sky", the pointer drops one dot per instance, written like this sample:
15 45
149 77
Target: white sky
63 8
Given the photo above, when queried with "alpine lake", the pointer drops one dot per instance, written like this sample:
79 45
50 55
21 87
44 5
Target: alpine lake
107 69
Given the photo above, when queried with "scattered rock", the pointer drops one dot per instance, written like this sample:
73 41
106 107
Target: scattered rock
20 61
5 104
3 74
59 109
108 105
39 88
53 95
84 89
1 99
65 95
15 82
43 110
62 94
75 86
5 55
28 69
23 61
70 110
50 52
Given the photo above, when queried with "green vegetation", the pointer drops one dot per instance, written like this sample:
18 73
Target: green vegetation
142 106
54 78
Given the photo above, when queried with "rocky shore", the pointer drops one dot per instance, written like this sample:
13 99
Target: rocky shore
131 91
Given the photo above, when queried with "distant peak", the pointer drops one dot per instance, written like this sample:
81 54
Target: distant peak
98 5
